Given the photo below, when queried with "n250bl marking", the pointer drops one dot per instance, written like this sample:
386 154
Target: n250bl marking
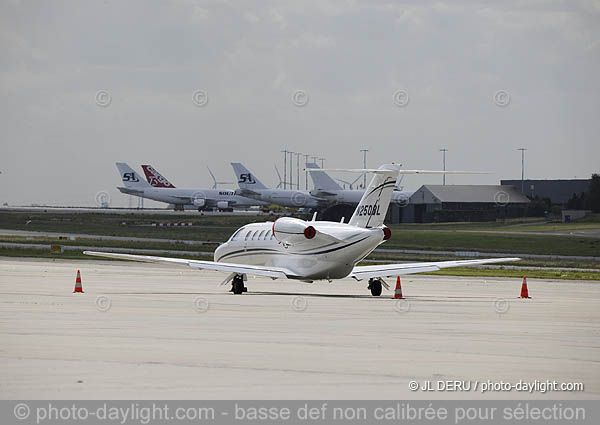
368 210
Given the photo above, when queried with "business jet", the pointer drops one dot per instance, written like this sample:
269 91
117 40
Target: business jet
290 248
158 188
251 187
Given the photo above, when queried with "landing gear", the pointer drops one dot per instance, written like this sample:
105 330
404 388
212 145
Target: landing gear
237 285
375 287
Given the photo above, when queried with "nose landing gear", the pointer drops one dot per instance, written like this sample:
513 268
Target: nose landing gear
375 287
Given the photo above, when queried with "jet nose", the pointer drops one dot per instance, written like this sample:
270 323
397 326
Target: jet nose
218 251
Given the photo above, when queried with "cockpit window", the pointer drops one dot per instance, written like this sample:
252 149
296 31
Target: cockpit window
235 236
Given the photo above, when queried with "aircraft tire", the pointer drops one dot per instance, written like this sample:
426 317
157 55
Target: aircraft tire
238 285
375 287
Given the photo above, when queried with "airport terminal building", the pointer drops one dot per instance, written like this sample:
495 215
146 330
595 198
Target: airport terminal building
450 203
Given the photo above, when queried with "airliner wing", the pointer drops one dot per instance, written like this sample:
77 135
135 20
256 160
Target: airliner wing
390 270
273 272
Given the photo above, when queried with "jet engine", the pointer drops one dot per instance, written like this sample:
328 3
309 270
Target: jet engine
222 205
292 230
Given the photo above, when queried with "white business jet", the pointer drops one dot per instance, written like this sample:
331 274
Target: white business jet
290 248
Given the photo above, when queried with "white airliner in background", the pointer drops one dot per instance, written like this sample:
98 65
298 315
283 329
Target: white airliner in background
158 188
326 188
252 187
291 248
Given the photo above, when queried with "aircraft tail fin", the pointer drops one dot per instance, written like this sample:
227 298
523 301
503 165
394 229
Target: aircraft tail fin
373 206
155 178
321 179
246 180
130 178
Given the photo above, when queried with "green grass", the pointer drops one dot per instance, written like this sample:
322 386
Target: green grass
534 274
102 243
67 255
554 227
494 242
444 236
209 228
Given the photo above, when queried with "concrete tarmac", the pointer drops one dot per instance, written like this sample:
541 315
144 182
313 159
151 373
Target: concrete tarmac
154 331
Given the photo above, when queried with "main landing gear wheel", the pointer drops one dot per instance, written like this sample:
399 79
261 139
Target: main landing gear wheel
375 287
237 286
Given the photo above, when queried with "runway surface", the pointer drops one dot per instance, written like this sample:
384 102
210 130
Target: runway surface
170 332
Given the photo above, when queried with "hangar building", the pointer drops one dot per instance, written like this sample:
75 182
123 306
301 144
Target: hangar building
558 191
437 203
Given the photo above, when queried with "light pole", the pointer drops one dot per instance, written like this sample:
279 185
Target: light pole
285 152
522 169
291 169
322 162
444 150
298 155
306 172
364 151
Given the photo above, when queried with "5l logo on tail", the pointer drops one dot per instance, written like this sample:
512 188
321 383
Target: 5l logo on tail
246 178
130 177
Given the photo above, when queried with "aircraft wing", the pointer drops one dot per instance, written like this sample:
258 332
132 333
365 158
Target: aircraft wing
246 192
273 272
390 270
129 191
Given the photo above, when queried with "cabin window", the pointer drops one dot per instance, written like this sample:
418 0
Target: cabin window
248 235
267 235
261 234
254 234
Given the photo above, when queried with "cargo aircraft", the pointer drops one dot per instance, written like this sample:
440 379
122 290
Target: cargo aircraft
251 187
158 188
290 248
326 189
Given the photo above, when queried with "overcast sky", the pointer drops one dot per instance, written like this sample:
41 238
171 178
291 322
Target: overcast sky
401 78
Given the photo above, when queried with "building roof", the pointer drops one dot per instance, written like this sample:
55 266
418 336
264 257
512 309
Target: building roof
436 194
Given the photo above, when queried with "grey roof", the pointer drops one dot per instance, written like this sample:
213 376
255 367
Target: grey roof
467 193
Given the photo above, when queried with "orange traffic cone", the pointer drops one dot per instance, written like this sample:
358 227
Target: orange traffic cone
524 291
398 291
78 287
